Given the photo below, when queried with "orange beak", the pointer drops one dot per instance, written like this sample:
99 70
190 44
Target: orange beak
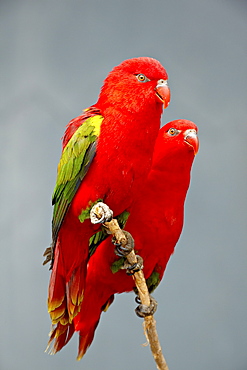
192 139
163 92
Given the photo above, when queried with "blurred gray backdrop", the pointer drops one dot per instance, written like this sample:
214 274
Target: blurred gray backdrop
54 57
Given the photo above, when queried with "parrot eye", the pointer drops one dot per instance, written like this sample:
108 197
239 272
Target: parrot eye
173 131
142 78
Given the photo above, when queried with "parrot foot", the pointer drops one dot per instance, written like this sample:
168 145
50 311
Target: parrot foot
131 269
143 310
123 250
100 213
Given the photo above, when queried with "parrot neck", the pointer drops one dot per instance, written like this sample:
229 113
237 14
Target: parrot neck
172 180
165 192
135 109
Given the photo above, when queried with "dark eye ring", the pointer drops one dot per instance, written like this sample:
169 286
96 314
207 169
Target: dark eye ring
142 78
172 131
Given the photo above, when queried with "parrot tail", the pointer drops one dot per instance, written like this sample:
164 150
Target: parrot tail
87 321
65 297
85 340
75 291
59 337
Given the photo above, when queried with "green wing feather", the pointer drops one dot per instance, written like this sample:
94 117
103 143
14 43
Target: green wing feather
153 281
72 168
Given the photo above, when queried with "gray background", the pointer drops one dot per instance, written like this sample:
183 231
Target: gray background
54 56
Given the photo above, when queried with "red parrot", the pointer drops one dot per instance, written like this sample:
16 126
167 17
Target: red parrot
155 222
106 155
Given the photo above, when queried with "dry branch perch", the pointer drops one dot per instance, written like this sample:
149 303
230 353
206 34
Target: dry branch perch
140 282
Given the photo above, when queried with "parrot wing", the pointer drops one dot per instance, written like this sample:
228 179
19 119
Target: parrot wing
74 163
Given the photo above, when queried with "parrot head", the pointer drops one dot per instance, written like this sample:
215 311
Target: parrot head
177 141
136 85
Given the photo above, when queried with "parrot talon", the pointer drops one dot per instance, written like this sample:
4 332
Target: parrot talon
137 299
131 269
100 213
123 250
48 254
143 310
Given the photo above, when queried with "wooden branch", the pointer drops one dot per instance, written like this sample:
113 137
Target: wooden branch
152 335
140 282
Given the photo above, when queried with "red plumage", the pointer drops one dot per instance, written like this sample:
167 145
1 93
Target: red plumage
155 222
130 103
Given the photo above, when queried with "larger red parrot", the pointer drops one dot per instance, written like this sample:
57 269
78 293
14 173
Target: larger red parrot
106 155
155 222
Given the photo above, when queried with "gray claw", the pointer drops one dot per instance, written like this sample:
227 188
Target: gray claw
143 310
124 250
131 269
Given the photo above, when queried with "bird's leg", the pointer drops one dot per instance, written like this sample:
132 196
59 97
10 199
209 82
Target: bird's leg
142 310
100 213
123 247
132 268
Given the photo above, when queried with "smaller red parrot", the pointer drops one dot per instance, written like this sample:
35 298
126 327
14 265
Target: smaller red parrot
155 222
107 153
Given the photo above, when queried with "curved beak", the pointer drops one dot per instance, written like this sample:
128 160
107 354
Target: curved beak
163 92
191 139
